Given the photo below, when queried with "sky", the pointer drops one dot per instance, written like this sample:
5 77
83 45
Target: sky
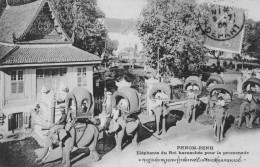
122 9
130 9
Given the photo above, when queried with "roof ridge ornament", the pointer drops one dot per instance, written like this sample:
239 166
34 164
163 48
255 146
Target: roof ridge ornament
14 38
7 4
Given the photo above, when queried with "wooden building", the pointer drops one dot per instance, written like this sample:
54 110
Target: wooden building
36 55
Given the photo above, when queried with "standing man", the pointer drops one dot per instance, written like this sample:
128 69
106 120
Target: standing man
244 110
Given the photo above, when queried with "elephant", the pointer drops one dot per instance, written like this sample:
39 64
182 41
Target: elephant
193 87
219 111
127 101
160 111
244 112
80 129
219 122
128 125
251 110
79 135
160 94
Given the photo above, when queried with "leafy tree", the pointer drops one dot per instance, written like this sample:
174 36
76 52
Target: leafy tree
251 43
111 46
225 64
170 28
83 18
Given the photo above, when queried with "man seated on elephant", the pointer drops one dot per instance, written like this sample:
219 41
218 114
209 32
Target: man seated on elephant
212 99
220 102
195 87
249 96
125 116
120 114
85 106
62 121
220 106
190 87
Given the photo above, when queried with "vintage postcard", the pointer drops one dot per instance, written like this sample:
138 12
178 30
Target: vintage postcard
125 83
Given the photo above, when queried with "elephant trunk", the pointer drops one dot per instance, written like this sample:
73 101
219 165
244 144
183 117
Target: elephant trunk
218 128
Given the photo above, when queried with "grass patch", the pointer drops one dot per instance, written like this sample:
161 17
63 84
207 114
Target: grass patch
18 153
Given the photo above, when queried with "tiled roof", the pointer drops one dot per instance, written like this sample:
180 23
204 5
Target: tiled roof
16 19
44 41
5 50
120 25
58 54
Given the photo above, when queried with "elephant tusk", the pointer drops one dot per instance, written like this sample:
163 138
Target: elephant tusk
46 156
156 137
176 116
150 130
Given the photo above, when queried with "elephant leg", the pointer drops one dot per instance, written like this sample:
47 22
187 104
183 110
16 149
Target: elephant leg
116 137
189 110
193 114
239 122
135 139
215 130
67 157
218 133
63 155
206 111
222 131
120 136
92 146
135 142
164 125
157 119
247 120
251 120
241 115
68 148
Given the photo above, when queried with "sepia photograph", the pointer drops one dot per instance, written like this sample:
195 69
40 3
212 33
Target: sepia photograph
125 83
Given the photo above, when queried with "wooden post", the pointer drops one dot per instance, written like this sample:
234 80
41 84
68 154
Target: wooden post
1 90
158 64
158 59
53 104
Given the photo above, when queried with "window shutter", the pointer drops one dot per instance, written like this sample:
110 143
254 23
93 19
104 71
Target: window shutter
14 87
20 87
84 81
79 81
